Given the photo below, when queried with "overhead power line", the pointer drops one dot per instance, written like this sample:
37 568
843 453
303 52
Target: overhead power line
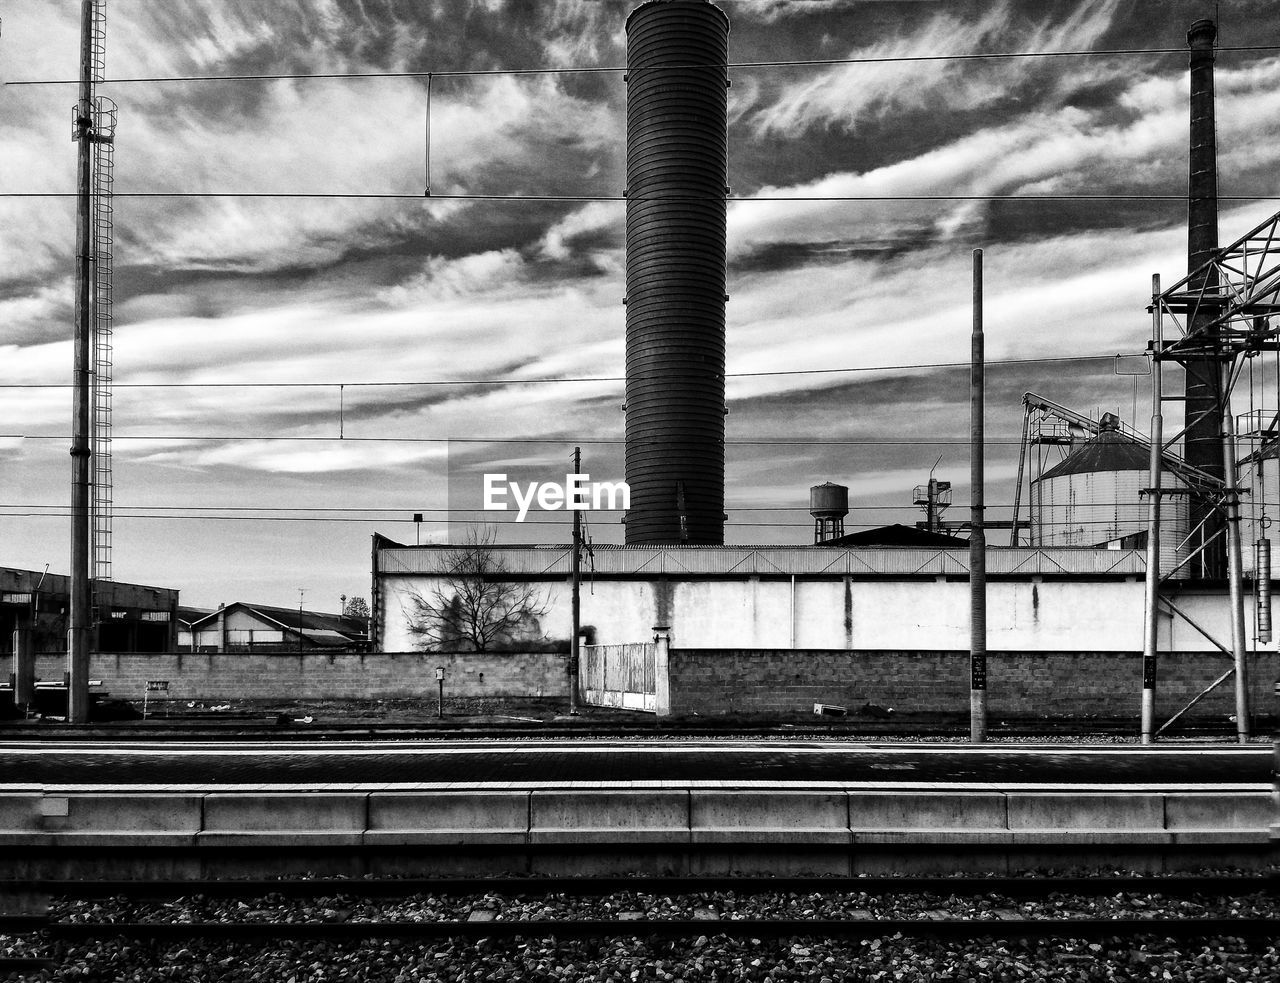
622 69
387 512
489 519
336 439
464 196
569 379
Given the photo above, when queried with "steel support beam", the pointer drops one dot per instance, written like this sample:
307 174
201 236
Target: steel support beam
1151 622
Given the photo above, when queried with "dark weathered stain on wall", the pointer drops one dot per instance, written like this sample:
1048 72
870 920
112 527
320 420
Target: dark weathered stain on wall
664 601
848 613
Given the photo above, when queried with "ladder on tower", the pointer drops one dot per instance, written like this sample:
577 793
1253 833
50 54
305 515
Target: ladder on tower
102 243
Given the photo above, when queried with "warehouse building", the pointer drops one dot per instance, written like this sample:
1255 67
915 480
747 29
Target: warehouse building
127 617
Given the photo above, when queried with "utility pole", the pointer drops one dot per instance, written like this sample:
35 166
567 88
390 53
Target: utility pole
1235 575
80 623
978 536
576 568
1151 621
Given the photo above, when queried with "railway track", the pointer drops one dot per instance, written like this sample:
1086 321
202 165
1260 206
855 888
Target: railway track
693 909
294 726
582 886
310 732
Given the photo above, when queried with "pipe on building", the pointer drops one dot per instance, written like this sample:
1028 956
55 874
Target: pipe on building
793 611
1235 574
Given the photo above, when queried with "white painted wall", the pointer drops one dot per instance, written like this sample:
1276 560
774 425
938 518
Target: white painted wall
887 613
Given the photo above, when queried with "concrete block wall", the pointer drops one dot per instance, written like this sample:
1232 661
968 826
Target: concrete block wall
708 681
319 675
791 681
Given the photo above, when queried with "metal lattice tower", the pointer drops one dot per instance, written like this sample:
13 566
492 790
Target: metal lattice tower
1224 313
102 244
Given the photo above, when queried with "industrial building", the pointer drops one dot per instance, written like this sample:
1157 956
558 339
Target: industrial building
1079 585
128 617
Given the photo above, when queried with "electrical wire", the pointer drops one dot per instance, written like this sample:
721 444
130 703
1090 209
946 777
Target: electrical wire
622 69
489 520
263 509
574 379
466 196
755 441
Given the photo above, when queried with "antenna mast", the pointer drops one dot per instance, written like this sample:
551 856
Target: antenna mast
93 129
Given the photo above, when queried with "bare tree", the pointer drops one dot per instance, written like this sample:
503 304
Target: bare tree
476 605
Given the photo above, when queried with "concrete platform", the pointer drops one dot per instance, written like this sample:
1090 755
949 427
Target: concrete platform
715 808
483 817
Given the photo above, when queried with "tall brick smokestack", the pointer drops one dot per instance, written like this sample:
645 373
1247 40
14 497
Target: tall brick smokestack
677 158
1203 442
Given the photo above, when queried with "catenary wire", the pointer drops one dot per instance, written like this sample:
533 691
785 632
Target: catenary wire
791 524
622 69
757 441
467 196
571 379
425 511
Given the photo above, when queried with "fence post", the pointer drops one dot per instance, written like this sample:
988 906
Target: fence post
24 666
661 664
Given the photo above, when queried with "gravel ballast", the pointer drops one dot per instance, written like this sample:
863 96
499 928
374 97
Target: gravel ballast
631 956
638 904
631 959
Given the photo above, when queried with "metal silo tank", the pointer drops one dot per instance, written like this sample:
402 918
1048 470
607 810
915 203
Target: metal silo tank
677 152
1093 496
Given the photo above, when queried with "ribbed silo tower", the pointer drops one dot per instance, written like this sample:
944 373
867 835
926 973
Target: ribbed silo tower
1203 447
677 160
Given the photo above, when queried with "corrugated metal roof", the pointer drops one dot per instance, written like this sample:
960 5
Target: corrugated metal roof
1110 450
677 561
308 622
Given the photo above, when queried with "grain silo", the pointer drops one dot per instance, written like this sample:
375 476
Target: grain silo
1091 498
677 158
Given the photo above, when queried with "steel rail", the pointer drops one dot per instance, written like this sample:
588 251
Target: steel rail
964 928
384 887
257 728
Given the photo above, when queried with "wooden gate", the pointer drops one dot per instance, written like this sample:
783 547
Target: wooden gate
620 675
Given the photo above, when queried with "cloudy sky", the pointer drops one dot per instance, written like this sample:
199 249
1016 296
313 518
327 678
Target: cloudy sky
306 347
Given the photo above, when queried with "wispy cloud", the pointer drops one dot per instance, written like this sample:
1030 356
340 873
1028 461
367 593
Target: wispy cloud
844 95
304 303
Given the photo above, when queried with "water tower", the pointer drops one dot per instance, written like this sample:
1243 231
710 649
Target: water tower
828 504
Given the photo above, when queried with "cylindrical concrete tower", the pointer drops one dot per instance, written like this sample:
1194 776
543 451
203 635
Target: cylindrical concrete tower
677 159
1203 447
